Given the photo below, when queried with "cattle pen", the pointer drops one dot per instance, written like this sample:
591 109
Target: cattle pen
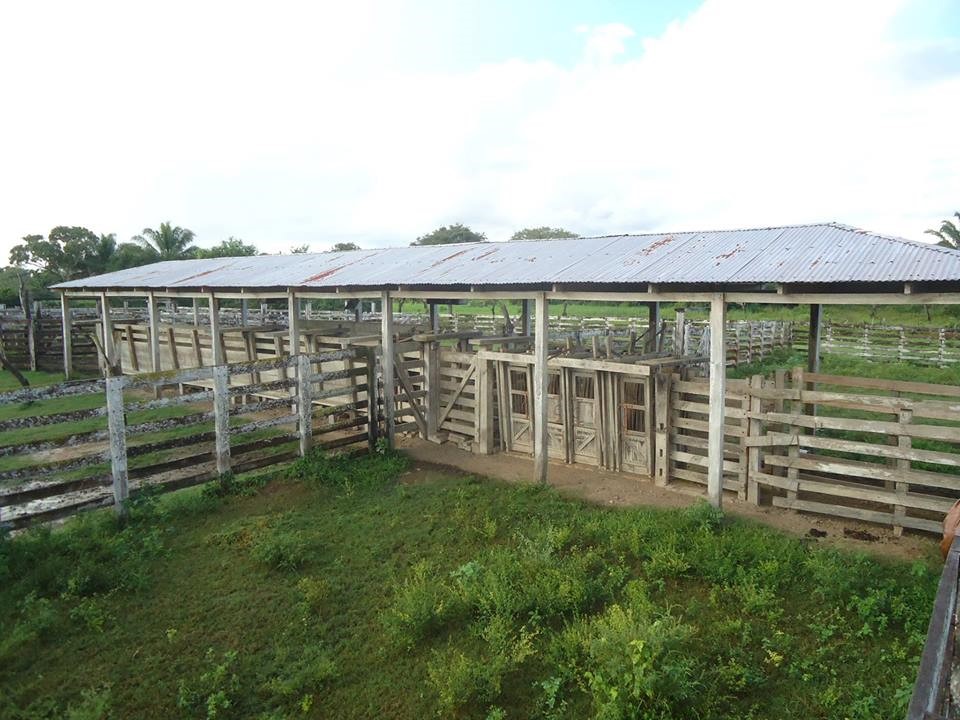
638 405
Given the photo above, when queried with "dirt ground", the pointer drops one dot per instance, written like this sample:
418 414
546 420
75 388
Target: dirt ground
615 489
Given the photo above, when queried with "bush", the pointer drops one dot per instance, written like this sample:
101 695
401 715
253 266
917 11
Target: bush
212 694
348 471
420 606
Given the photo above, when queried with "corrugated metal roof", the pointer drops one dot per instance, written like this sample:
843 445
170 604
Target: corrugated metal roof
799 254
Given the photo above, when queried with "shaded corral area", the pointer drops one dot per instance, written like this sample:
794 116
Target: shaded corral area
373 588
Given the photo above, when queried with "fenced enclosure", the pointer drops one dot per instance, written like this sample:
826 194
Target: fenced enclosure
123 436
883 451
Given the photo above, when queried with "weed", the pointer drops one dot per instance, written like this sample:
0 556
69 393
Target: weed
212 694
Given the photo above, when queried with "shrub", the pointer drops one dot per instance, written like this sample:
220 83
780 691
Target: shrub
281 549
420 606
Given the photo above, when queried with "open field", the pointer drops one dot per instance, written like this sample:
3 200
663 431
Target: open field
340 592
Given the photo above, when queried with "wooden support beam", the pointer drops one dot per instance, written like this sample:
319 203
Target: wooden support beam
305 403
109 346
526 327
813 350
293 312
216 347
196 311
434 318
718 382
221 417
116 427
386 363
153 313
540 379
813 341
653 327
245 312
67 322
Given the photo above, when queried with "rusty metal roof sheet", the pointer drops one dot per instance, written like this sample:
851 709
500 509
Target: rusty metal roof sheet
800 254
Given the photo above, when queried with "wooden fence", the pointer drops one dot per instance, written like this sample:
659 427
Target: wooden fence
120 436
886 343
883 451
48 339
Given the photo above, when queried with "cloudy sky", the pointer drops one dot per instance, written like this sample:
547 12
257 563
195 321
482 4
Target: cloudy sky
286 123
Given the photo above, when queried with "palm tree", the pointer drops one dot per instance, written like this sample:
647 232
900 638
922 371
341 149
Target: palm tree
167 243
949 233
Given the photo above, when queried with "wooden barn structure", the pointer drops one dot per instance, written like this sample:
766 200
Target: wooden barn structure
524 391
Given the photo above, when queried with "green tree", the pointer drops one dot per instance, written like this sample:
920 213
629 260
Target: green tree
167 242
344 247
67 253
949 233
231 247
456 233
300 249
542 233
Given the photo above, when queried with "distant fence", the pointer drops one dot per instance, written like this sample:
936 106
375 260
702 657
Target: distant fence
120 438
887 343
883 451
48 339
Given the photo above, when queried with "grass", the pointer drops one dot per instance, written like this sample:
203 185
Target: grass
337 592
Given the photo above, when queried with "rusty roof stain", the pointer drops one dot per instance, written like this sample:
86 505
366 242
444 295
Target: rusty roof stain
800 254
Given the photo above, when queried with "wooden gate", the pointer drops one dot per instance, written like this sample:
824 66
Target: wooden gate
519 383
584 407
636 432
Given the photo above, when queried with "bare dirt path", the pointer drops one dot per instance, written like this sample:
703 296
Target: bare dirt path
615 489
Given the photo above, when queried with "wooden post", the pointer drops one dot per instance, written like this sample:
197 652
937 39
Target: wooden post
484 410
305 403
386 362
662 383
905 443
196 311
67 336
679 334
813 351
373 420
244 312
116 426
541 350
221 417
653 325
718 385
26 305
431 372
293 325
109 347
153 312
434 318
525 319
754 429
216 347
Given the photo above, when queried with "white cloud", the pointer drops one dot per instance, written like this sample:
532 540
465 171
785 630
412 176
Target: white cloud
296 123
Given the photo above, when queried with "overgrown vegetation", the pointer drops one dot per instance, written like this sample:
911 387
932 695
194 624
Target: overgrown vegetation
338 592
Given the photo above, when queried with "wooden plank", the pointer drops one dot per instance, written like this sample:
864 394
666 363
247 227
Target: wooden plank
929 432
880 518
881 384
406 385
67 321
305 404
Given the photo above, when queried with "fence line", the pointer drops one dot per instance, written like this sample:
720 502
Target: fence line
227 424
883 451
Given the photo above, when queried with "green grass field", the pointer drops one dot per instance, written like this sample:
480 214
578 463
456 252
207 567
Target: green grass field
337 592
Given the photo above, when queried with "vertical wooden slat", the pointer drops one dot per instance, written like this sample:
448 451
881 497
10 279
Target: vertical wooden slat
373 420
754 429
904 442
216 344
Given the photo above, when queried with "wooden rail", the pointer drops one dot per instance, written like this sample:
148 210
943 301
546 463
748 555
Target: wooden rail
132 437
933 694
